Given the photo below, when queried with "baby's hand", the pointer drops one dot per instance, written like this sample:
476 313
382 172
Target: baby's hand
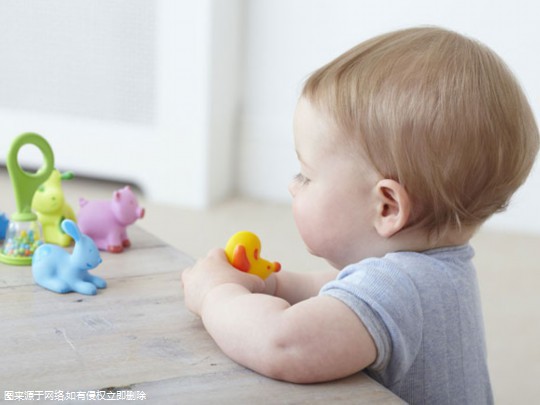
210 272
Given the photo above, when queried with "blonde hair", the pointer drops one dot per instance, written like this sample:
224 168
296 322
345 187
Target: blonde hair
437 112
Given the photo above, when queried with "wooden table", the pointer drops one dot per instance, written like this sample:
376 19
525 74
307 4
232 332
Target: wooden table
134 339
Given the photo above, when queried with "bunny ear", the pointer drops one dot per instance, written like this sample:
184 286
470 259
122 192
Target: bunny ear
71 229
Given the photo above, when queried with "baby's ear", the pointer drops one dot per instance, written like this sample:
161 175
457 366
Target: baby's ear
393 207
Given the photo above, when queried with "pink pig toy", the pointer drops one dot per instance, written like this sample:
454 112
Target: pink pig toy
105 221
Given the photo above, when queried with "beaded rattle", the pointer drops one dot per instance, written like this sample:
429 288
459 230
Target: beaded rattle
24 235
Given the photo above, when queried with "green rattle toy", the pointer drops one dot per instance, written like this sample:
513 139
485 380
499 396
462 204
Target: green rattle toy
24 234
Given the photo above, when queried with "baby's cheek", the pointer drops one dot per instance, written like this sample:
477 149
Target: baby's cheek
311 227
303 220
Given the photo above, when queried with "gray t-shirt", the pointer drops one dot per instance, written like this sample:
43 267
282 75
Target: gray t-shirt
423 312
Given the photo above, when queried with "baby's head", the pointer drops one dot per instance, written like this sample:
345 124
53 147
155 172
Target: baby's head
437 112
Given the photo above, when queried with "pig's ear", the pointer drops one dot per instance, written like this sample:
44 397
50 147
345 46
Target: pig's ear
117 195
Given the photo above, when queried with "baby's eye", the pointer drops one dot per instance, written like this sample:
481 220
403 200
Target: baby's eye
301 179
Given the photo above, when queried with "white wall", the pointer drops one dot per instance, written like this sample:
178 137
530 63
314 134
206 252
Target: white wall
138 91
288 39
198 96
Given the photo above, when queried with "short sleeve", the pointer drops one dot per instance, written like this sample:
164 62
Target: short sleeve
388 304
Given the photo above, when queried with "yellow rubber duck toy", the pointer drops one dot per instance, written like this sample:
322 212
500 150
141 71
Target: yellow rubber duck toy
243 251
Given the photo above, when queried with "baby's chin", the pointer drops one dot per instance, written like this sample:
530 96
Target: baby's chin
328 260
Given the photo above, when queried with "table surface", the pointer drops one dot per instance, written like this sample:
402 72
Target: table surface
135 337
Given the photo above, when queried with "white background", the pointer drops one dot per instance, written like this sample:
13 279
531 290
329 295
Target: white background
288 39
214 84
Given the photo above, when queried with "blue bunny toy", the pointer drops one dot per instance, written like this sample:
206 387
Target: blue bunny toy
3 225
55 269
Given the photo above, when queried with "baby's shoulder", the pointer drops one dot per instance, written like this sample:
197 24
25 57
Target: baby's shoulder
412 273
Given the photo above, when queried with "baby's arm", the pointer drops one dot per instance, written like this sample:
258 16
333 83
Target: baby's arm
318 339
294 287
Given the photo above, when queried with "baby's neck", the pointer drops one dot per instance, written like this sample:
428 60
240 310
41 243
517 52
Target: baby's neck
410 239
419 240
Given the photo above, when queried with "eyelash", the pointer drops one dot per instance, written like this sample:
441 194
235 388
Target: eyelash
301 179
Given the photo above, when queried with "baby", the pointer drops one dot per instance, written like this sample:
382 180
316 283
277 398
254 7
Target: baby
407 143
